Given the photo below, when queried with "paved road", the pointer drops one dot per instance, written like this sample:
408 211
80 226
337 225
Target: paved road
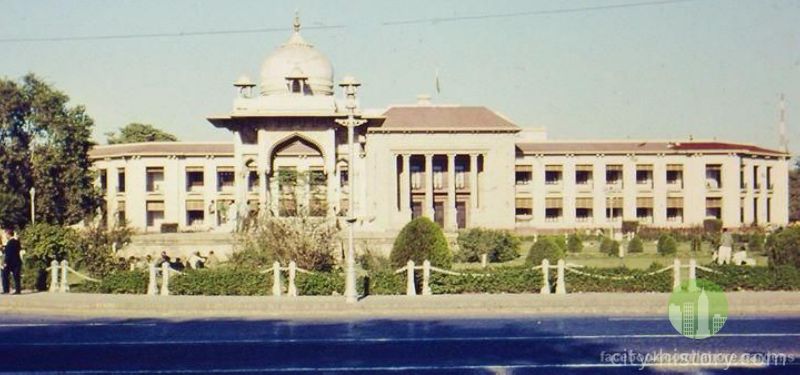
543 345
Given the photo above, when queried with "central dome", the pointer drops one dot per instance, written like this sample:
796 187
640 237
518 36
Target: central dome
296 60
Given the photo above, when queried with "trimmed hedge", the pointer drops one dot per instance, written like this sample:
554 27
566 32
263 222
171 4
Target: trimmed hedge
222 281
419 240
120 282
518 279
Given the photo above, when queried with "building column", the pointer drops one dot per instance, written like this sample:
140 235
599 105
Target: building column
473 187
451 220
331 193
429 186
263 189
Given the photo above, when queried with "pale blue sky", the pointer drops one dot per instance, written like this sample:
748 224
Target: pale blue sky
710 68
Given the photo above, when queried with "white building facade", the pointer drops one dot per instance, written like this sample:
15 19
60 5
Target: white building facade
461 166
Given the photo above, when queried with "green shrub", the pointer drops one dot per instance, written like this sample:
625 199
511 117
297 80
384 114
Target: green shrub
493 280
574 243
783 247
755 242
630 226
384 282
609 247
733 278
544 248
636 245
371 261
498 245
221 281
667 245
629 281
560 241
119 282
319 283
712 226
419 240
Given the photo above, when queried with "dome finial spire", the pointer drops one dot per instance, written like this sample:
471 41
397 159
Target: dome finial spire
296 24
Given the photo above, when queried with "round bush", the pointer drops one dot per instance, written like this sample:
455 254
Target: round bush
419 240
783 247
544 248
667 245
609 247
574 244
636 245
498 245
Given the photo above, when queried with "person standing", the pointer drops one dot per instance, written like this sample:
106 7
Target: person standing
12 262
725 247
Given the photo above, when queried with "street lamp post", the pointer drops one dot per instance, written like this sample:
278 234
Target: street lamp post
33 204
350 85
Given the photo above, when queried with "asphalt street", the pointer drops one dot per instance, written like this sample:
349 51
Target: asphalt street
543 345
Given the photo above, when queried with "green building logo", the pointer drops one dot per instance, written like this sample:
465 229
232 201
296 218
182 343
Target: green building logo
698 309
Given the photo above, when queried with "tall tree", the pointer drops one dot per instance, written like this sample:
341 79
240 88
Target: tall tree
46 146
136 132
794 192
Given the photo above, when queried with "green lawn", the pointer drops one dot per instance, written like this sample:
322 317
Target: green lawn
591 257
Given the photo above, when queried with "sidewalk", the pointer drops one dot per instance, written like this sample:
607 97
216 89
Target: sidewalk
334 307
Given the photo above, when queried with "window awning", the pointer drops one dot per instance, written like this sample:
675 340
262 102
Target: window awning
524 168
524 202
225 169
584 167
554 168
644 202
194 169
713 202
675 167
155 206
644 167
674 202
553 203
195 205
713 166
614 167
585 202
614 202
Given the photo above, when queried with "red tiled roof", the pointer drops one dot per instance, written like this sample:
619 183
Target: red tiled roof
161 148
643 147
444 118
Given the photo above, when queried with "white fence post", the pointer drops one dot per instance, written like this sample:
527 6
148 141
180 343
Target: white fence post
561 288
53 276
692 274
426 278
64 287
545 277
676 274
484 260
292 292
276 279
165 279
410 288
152 284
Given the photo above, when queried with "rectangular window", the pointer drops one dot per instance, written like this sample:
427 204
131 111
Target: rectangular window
769 178
769 210
614 208
121 217
524 206
194 179
714 208
103 181
583 174
553 174
675 209
253 181
644 175
614 175
756 182
155 213
583 209
524 174
121 181
195 213
714 176
644 209
226 179
675 176
553 209
155 179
